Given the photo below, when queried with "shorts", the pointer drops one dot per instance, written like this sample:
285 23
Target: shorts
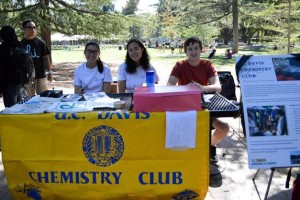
39 86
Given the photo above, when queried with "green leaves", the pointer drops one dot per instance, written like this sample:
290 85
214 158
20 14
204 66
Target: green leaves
86 17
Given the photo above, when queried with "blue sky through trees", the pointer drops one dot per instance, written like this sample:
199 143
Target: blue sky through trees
144 5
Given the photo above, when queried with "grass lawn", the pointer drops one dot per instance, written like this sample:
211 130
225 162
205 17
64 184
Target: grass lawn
163 61
114 55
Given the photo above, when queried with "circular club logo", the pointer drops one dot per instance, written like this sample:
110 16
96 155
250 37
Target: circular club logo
103 146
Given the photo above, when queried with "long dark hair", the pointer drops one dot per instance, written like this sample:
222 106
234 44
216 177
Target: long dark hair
99 62
145 59
9 36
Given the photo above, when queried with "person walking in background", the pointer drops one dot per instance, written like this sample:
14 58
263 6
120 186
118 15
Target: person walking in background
202 74
93 75
132 72
180 46
40 55
173 45
9 89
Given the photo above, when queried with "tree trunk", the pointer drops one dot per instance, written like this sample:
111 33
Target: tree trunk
45 29
235 45
249 37
226 40
46 35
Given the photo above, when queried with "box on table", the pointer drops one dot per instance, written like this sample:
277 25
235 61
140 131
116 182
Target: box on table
52 93
167 98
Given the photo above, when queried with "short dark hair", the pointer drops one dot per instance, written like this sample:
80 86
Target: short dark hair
191 41
26 22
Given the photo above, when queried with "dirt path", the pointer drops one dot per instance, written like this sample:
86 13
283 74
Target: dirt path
63 74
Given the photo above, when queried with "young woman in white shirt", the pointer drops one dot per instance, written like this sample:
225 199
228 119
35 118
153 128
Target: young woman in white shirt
93 75
132 72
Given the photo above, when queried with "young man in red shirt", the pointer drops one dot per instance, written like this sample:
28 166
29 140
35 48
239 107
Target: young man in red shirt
202 74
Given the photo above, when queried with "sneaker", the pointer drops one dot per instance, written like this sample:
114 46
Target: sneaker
213 154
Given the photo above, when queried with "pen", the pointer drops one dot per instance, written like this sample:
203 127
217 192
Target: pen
84 88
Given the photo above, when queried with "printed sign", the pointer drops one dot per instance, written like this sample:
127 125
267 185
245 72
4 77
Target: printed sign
271 103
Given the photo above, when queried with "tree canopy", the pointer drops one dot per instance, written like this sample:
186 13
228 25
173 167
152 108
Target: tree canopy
229 21
87 17
232 20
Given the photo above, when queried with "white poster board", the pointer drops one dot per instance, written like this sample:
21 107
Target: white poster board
270 87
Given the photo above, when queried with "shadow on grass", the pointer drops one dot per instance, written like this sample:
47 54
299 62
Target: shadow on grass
166 56
220 61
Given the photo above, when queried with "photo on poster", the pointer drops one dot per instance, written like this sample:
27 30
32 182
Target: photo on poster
287 69
267 120
295 157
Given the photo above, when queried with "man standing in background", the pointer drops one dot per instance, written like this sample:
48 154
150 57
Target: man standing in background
40 55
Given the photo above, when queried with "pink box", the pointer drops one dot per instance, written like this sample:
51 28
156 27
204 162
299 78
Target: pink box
167 98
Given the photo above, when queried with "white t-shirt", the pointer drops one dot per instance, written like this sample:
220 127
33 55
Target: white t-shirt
91 79
136 79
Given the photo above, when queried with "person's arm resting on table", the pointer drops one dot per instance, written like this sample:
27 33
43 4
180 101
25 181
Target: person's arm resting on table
78 90
121 86
48 68
214 85
106 87
172 80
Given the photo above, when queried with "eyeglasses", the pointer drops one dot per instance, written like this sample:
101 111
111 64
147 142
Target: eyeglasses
89 51
31 27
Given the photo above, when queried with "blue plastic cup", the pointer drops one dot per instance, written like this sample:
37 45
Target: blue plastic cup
150 78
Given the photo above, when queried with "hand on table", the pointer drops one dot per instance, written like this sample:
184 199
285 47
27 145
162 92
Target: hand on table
198 85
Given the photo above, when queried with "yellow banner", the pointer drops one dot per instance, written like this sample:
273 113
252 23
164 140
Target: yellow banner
101 155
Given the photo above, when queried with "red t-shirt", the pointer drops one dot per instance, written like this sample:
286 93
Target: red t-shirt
187 73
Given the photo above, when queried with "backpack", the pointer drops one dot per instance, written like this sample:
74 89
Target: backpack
228 85
22 66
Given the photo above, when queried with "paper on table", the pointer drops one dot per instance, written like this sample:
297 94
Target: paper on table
99 100
181 129
93 96
102 102
207 97
30 108
76 106
71 97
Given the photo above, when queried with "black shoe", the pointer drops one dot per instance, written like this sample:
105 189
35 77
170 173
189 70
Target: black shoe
215 176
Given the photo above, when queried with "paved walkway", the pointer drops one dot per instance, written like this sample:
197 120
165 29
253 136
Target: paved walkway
235 182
